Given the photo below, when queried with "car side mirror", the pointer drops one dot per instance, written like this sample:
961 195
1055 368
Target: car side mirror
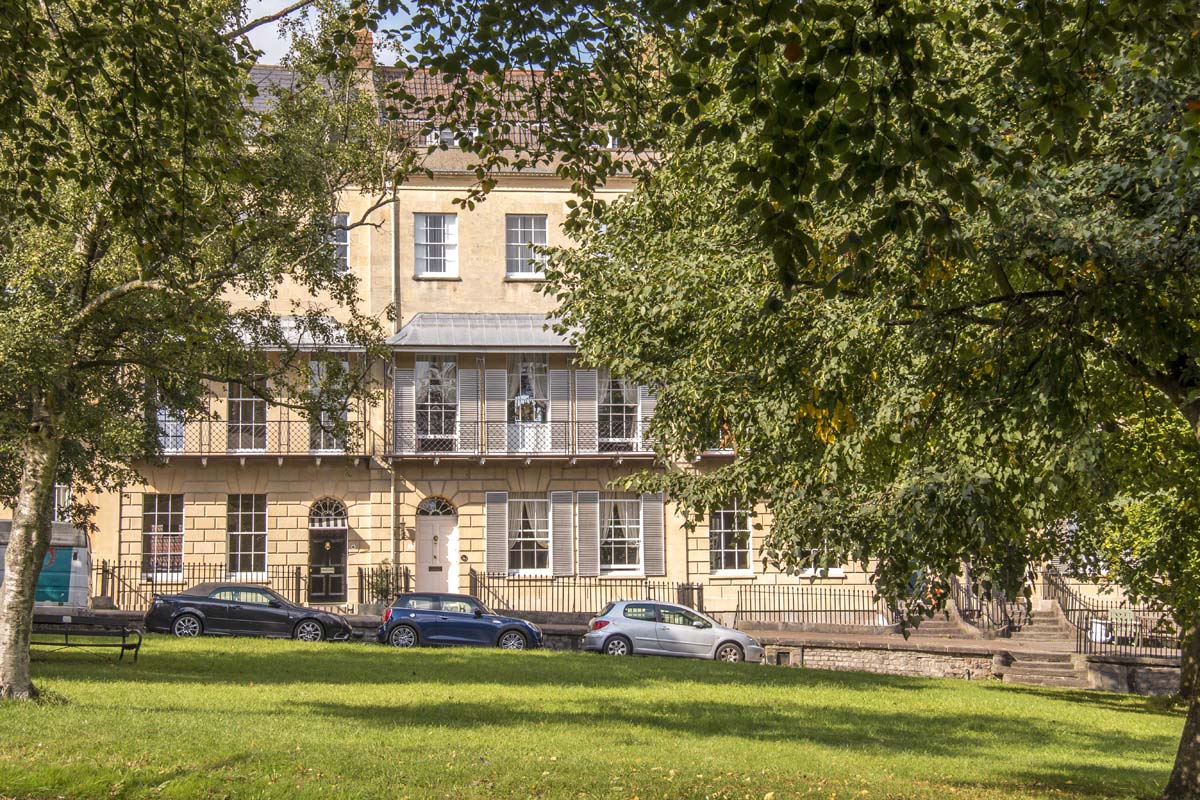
478 613
698 625
275 604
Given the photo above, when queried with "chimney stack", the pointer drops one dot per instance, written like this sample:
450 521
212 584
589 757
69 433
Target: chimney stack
364 48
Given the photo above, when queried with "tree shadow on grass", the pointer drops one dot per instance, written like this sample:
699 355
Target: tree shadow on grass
348 664
1096 699
870 732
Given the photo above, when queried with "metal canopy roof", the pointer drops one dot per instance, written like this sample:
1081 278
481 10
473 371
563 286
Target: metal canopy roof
501 332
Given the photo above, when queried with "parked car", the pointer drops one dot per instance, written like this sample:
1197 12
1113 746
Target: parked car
241 610
646 628
453 619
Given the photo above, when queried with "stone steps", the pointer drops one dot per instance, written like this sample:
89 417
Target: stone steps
1071 681
1041 668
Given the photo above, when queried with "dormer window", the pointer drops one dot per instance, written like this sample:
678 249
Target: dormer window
451 137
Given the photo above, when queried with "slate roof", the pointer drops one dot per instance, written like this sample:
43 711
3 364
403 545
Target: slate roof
480 332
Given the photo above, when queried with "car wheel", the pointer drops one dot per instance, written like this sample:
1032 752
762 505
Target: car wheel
187 625
309 630
512 640
730 652
617 646
403 636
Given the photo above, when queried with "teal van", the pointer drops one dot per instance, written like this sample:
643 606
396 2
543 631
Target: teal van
65 580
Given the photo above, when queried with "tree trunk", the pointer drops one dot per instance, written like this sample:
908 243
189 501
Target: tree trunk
27 546
1185 777
1189 665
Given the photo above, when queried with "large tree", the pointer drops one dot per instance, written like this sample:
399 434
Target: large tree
150 211
930 268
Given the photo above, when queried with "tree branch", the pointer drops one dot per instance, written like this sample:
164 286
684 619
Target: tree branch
115 293
268 19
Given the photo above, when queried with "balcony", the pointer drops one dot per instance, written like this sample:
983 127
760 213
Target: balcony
207 437
521 439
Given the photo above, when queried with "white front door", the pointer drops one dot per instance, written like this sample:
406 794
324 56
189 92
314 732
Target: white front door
433 553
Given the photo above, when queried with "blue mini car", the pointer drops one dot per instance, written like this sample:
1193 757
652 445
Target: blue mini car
448 619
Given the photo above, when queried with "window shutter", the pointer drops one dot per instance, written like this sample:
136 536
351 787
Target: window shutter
560 410
588 523
561 540
585 410
496 532
653 539
495 394
647 403
404 413
468 411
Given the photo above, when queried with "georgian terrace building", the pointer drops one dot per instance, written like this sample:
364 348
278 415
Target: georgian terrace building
486 467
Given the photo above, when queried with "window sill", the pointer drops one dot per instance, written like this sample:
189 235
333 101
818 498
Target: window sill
732 573
618 575
524 278
438 278
162 577
247 577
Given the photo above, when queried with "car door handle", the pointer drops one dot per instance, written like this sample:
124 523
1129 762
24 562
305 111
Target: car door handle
443 617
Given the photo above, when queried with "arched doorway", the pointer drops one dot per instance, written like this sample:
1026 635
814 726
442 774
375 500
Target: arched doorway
437 545
327 532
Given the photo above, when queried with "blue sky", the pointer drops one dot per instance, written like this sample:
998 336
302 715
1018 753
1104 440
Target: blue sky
267 37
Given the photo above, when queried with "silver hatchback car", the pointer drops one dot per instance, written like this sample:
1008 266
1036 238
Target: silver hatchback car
660 629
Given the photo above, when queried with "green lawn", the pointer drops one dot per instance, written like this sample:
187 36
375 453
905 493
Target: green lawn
250 718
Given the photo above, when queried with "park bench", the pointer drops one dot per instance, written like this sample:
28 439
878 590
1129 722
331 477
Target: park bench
63 631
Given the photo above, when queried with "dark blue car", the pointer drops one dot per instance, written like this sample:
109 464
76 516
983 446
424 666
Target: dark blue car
448 619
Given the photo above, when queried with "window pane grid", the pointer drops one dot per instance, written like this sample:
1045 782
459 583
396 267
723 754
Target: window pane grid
162 533
246 521
247 426
60 511
436 238
170 430
617 412
339 237
620 534
522 231
323 436
528 535
528 388
437 398
729 539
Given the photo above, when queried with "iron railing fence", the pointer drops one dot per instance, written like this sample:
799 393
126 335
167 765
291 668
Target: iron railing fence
996 614
517 438
1114 627
382 584
576 595
131 587
812 605
206 437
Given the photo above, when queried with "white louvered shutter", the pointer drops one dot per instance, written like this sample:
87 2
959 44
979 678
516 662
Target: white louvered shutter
562 544
496 533
495 398
585 410
654 559
468 411
647 402
588 525
404 412
560 410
